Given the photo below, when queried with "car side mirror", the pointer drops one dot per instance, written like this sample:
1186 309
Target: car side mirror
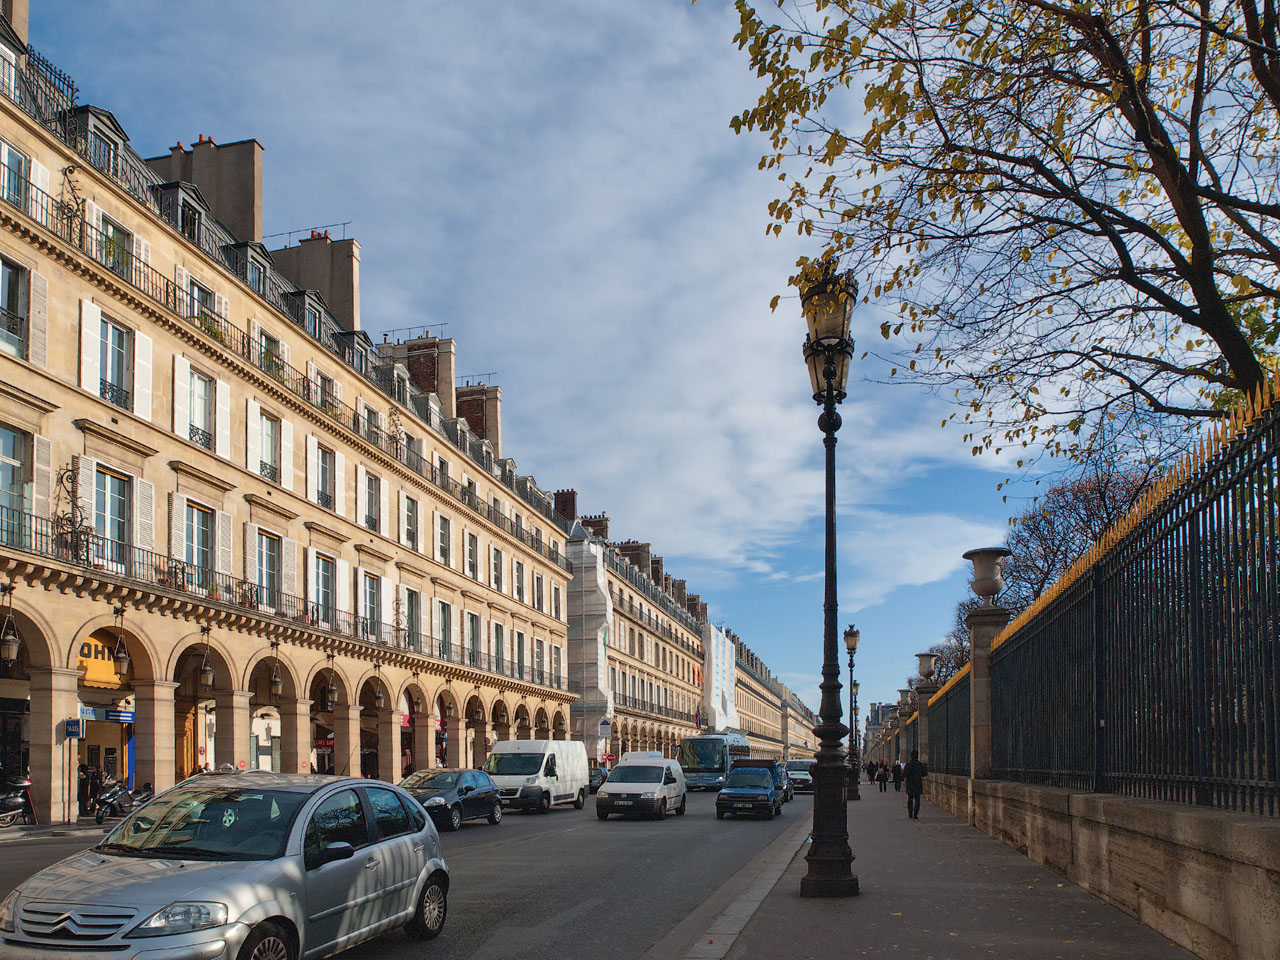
340 850
464 790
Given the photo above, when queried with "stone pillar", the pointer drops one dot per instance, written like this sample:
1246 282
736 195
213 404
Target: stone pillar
480 752
156 734
456 734
53 758
924 690
234 722
424 741
389 746
346 739
296 737
984 624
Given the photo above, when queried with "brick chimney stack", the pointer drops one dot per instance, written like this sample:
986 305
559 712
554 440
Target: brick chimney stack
655 568
640 554
598 525
566 503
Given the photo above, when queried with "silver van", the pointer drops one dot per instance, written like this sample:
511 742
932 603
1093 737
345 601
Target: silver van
643 784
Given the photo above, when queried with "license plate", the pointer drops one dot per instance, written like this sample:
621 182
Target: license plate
622 803
747 805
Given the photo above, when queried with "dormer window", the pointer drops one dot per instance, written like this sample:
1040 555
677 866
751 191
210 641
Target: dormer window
255 276
313 321
189 221
104 152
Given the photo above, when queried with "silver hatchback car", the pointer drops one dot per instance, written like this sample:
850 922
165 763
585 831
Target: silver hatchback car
239 867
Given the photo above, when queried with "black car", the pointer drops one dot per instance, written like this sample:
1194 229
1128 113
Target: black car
451 796
597 776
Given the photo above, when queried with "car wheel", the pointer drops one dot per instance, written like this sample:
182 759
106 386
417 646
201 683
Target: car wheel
719 814
773 812
778 812
495 815
267 941
433 905
581 801
544 804
455 818
661 812
602 815
680 809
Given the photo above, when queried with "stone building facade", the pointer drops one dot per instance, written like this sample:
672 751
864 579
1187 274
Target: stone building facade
759 697
237 531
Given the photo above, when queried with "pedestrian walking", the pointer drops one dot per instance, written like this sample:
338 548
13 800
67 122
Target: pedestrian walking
915 773
898 776
882 776
82 789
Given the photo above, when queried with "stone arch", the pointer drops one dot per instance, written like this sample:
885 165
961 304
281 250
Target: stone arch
36 633
523 721
559 726
226 675
142 657
541 724
273 662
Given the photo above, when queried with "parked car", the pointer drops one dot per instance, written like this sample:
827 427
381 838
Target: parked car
452 796
539 774
749 791
643 784
801 774
777 769
266 866
597 776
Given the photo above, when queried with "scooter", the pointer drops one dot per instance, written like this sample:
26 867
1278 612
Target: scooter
115 800
15 802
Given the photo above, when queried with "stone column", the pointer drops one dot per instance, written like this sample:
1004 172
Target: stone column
234 722
346 739
984 624
389 746
296 737
156 734
53 758
480 733
457 742
424 741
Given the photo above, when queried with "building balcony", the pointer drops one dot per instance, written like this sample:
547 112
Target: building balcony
200 437
13 334
113 393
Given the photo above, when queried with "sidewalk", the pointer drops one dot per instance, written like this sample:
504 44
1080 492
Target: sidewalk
82 825
936 889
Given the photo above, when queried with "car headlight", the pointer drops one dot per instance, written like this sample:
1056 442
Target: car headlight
530 781
435 802
648 796
9 912
182 917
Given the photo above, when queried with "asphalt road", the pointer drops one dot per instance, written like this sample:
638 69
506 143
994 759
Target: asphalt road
560 886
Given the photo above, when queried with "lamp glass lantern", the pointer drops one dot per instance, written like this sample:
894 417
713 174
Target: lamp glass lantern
851 637
854 688
379 698
121 655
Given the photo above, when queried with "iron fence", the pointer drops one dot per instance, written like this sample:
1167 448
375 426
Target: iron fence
949 729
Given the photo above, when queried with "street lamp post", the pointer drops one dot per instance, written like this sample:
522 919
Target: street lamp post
851 637
827 304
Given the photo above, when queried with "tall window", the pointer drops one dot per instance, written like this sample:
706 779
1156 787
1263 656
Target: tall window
269 465
445 619
14 165
199 545
270 358
201 302
111 515
372 425
498 653
13 308
255 276
413 619
189 221
519 654
445 539
539 661
497 569
323 599
473 638
371 606
268 569
519 581
201 410
411 522
555 665
473 556
442 469
538 591
328 393
117 249
114 354
555 601
14 488
372 502
102 152
324 478
313 322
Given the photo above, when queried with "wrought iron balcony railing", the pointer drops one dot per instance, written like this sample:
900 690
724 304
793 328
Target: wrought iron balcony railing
324 499
200 437
269 471
13 332
113 393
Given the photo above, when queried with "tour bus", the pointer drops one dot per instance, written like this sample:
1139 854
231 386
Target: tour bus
708 757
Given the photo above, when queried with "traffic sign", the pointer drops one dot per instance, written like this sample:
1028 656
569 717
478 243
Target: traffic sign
608 758
73 729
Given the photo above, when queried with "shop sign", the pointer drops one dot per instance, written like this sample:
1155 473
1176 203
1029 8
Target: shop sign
119 716
404 721
73 729
105 713
324 743
97 662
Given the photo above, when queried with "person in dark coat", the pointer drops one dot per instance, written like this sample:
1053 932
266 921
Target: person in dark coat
915 773
82 789
882 776
897 775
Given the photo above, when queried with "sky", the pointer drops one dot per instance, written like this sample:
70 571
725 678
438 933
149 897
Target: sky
558 183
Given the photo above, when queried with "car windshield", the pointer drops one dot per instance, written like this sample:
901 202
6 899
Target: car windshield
513 764
702 756
800 766
749 778
636 773
208 822
431 780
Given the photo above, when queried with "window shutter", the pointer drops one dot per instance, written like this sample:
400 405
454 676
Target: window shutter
223 423
144 515
362 505
402 527
142 256
177 526
313 468
387 597
343 577
402 594
42 477
337 390
90 340
38 321
289 567
286 454
182 280
384 506
41 206
224 559
142 376
250 552
93 215
252 436
220 305
284 353
339 483
424 609
255 341
424 545
86 476
434 544
181 396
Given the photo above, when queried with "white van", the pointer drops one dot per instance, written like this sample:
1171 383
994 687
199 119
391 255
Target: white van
539 774
643 783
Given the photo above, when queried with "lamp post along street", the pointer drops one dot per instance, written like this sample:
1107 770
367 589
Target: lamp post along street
827 304
851 637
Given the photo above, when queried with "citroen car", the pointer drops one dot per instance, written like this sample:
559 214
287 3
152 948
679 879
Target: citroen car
239 867
749 791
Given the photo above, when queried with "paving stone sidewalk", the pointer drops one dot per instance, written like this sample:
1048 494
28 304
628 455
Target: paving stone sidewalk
937 889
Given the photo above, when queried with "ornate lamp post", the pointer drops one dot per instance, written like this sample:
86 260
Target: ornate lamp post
827 304
851 637
10 640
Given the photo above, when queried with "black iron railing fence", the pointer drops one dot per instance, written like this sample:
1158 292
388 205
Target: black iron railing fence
647 706
54 540
949 729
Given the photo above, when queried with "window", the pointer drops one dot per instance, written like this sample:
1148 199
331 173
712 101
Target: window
189 221
444 541
519 654
538 592
111 515
269 451
473 638
539 661
268 569
201 304
270 357
199 546
102 152
371 606
323 599
446 628
473 556
201 406
373 502
339 819
313 322
401 389
255 275
411 522
497 647
372 425
328 394
413 619
519 581
389 816
469 495
14 489
555 602
115 350
497 569
324 478
555 665
117 249
442 470
13 308
14 165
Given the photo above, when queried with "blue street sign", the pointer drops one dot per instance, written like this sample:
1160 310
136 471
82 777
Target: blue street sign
73 729
120 716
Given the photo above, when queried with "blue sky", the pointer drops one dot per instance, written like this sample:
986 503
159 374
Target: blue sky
559 184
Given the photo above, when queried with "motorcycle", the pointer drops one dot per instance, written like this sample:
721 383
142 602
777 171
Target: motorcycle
115 800
15 802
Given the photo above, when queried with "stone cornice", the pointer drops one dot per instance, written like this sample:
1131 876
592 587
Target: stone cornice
95 429
187 470
270 506
313 526
364 549
17 395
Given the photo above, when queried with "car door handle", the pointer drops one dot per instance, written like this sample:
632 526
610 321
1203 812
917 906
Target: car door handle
417 848
371 863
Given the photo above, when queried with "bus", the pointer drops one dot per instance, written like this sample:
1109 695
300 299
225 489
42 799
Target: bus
708 757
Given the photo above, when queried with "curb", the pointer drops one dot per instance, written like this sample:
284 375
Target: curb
63 830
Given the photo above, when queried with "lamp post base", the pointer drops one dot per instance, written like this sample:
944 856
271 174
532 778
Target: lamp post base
829 888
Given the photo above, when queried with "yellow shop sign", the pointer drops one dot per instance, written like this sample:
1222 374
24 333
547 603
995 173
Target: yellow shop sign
97 664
